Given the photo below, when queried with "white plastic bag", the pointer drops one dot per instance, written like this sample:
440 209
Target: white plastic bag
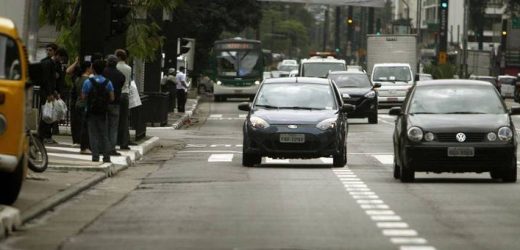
133 96
48 113
61 109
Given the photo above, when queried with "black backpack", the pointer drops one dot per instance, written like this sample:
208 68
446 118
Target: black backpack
98 98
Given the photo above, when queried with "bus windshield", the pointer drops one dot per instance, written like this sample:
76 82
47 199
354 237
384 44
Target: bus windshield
238 63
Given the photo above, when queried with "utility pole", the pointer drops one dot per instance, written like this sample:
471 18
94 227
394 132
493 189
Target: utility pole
337 31
418 32
326 29
464 66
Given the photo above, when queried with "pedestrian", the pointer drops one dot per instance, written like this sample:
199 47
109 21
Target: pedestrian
123 135
47 88
182 90
78 123
98 92
168 84
60 59
118 80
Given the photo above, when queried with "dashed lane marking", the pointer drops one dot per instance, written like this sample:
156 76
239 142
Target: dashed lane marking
220 158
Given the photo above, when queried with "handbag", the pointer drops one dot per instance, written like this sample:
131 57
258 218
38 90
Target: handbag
61 109
48 112
133 96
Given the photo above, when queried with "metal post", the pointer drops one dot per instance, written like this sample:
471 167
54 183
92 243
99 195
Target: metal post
337 29
464 66
326 29
418 31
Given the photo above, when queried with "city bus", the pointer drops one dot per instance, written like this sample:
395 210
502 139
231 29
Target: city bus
238 68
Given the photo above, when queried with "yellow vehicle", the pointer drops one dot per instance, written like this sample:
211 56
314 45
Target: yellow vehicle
13 89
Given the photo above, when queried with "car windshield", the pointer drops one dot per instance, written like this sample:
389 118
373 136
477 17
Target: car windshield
321 69
351 80
392 74
296 96
10 67
239 63
456 99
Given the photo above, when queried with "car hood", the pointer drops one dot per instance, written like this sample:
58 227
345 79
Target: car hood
454 122
291 116
355 91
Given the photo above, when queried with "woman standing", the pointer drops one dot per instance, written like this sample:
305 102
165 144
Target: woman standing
79 121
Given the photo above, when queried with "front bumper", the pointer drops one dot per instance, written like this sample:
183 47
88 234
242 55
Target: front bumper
435 158
317 143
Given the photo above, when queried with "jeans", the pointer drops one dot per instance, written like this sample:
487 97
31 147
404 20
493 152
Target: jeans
113 125
98 136
123 135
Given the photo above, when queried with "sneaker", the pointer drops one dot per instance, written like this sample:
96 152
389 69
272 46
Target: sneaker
95 159
49 141
85 151
106 160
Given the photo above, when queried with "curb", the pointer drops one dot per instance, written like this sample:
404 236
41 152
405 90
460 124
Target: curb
187 115
146 146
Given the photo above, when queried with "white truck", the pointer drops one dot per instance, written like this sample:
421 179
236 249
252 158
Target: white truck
392 62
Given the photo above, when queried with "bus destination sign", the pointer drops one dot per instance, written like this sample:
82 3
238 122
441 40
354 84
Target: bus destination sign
230 46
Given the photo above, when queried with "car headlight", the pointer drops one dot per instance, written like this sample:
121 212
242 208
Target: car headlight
257 122
219 83
491 136
257 82
505 134
326 124
429 136
415 134
370 94
3 124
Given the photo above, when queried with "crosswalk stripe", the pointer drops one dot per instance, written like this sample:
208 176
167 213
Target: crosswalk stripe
385 159
220 158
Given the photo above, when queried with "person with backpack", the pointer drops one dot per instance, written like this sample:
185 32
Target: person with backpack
118 80
98 91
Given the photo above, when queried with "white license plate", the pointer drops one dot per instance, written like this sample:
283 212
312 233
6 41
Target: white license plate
238 91
292 138
392 99
461 151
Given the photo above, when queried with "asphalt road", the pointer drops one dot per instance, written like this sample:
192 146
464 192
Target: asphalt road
194 194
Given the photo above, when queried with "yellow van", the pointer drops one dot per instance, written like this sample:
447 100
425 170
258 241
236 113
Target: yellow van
13 87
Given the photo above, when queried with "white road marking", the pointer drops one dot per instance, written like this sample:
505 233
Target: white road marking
417 248
399 232
242 116
407 240
365 196
275 161
215 116
377 206
380 212
385 159
370 202
208 151
220 158
392 225
385 217
196 145
326 160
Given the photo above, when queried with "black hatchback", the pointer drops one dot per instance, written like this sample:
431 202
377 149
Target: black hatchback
356 89
295 117
454 126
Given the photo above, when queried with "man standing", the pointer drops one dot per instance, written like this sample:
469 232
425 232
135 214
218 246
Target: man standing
123 135
99 92
182 89
47 88
118 80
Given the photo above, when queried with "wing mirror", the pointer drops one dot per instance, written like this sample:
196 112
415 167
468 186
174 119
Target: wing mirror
345 96
395 111
376 85
245 106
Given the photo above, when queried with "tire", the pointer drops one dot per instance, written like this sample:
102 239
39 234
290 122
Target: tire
38 158
407 174
340 160
11 183
495 174
397 170
249 159
372 118
509 172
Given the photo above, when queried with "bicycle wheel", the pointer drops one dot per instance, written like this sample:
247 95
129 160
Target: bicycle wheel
38 159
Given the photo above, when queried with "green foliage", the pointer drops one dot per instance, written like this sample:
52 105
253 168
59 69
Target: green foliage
442 71
143 40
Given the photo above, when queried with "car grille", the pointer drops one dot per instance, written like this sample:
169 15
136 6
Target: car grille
470 137
354 100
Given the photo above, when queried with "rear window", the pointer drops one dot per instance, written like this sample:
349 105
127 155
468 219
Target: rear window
392 74
456 99
321 69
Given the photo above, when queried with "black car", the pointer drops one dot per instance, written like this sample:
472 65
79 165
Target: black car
454 126
357 90
295 117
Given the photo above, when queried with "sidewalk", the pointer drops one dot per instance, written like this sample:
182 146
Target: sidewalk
70 172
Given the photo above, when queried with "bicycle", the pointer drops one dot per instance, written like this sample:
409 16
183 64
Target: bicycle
38 158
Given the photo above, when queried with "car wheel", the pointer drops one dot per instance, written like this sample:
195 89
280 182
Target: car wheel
11 183
219 98
397 170
407 174
372 118
249 159
495 174
340 160
509 172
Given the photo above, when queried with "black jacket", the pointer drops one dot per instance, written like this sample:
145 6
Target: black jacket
118 80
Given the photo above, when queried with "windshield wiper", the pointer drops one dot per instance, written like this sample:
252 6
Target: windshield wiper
267 106
299 107
422 113
464 112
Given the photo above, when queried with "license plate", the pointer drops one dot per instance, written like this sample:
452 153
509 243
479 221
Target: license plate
461 151
237 91
292 138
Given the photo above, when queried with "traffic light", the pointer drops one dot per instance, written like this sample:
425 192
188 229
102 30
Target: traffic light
350 21
378 26
444 4
183 46
503 39
119 10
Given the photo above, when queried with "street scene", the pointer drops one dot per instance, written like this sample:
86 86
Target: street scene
259 124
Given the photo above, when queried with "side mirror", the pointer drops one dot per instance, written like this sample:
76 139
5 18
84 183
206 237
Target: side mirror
376 85
245 106
395 111
515 110
347 108
345 96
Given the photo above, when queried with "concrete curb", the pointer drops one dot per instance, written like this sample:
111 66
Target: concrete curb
146 146
187 115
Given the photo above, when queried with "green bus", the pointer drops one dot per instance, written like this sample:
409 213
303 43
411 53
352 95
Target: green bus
238 68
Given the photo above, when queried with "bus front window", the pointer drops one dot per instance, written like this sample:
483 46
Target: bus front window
237 63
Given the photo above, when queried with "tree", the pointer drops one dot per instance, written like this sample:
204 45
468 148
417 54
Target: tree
477 10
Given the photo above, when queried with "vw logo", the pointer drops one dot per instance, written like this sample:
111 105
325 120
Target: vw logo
292 126
461 137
